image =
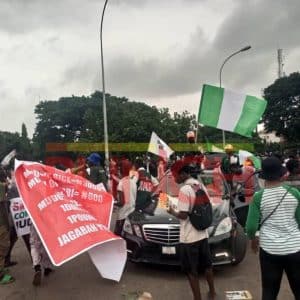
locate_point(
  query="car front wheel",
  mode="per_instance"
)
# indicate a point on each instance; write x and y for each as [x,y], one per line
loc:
[239,245]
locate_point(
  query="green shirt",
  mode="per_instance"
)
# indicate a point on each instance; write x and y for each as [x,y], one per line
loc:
[280,234]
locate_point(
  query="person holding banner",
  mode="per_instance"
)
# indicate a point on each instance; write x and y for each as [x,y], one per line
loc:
[127,190]
[40,258]
[14,203]
[5,278]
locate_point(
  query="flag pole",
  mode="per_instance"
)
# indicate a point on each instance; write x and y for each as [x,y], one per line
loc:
[103,92]
[220,77]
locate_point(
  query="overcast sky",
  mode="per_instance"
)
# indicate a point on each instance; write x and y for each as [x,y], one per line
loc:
[157,51]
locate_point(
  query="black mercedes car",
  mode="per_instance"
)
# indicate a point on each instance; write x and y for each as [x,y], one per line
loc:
[152,234]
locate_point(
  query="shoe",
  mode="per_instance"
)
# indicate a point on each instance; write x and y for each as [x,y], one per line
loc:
[48,271]
[37,278]
[10,264]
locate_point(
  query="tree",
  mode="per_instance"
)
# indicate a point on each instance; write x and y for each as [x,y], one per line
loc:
[283,110]
[25,149]
[10,141]
[128,121]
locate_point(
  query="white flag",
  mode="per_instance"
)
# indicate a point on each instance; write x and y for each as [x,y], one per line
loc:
[159,147]
[5,161]
[216,149]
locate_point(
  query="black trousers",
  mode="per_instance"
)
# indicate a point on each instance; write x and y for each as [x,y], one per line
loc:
[272,267]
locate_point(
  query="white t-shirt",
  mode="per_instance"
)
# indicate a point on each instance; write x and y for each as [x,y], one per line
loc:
[128,186]
[186,199]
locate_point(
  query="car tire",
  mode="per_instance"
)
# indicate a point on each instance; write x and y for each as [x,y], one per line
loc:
[239,245]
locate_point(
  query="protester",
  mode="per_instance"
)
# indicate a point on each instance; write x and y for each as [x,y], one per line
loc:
[40,259]
[275,211]
[194,249]
[244,181]
[114,176]
[13,193]
[293,178]
[96,172]
[127,189]
[161,169]
[229,159]
[145,186]
[5,278]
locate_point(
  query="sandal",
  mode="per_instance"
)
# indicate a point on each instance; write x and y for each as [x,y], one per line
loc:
[6,279]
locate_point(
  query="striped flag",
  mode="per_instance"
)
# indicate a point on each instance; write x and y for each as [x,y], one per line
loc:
[231,111]
[159,147]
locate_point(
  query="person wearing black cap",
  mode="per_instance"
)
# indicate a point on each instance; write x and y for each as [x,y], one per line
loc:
[195,254]
[275,212]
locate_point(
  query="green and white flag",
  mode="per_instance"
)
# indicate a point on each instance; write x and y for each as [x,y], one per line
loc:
[231,111]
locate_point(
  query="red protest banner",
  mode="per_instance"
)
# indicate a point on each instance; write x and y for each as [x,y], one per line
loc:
[71,214]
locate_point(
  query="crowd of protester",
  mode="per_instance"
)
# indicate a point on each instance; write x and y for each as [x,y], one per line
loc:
[274,210]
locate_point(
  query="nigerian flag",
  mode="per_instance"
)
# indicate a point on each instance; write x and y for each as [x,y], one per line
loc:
[231,111]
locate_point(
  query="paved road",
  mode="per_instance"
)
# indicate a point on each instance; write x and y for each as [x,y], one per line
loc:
[79,279]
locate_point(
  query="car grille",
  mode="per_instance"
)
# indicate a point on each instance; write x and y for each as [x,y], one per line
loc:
[166,234]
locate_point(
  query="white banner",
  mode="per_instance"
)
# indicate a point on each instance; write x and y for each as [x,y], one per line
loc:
[20,216]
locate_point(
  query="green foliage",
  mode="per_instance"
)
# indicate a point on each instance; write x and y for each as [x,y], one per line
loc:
[283,110]
[10,141]
[128,121]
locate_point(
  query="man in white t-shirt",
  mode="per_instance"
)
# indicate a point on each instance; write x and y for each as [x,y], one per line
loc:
[127,189]
[194,249]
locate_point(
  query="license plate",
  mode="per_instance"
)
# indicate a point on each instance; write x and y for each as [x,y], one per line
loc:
[169,250]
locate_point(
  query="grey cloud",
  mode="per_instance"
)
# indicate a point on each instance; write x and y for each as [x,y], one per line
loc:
[266,25]
[23,16]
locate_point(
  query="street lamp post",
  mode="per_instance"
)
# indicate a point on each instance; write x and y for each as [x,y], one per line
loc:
[103,91]
[220,76]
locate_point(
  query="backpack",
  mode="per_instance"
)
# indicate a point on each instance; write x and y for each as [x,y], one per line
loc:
[201,215]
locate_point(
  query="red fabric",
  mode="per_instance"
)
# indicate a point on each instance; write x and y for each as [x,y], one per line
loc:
[70,214]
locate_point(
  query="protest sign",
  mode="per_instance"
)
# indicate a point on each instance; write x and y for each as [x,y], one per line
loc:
[20,216]
[71,216]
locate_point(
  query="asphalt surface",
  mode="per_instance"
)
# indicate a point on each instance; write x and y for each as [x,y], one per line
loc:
[79,279]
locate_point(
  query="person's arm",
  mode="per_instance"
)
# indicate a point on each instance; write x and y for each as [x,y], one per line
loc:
[77,169]
[179,215]
[120,198]
[253,217]
[252,223]
[295,192]
[298,213]
[184,200]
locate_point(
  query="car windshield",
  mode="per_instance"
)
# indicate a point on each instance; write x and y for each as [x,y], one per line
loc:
[216,188]
[214,182]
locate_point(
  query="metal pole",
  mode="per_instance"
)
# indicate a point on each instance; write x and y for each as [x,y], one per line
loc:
[103,91]
[220,77]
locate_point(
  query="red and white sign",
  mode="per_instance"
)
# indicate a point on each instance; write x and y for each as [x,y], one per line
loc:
[71,215]
[20,216]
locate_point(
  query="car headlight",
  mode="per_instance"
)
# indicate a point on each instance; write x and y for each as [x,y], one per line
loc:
[127,227]
[137,230]
[224,226]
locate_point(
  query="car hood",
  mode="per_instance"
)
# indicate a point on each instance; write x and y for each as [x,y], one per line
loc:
[159,216]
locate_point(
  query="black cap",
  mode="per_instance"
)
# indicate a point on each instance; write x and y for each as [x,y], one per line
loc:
[272,169]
